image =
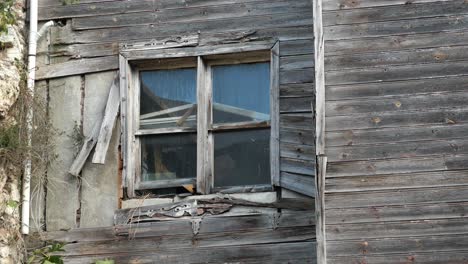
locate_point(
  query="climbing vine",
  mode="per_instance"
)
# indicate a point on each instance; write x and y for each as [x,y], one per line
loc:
[7,16]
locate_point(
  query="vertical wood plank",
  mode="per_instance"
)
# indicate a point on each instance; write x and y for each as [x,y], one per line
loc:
[110,115]
[202,127]
[274,115]
[319,51]
[126,120]
[319,78]
[320,209]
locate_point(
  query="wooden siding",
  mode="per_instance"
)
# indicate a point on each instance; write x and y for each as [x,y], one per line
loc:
[250,237]
[83,53]
[396,91]
[89,43]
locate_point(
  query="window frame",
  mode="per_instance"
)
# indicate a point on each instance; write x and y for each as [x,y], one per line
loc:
[133,60]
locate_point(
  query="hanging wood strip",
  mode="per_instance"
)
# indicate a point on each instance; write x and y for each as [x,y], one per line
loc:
[110,116]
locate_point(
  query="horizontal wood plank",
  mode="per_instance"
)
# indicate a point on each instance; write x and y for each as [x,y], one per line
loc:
[397,197]
[380,214]
[189,15]
[397,229]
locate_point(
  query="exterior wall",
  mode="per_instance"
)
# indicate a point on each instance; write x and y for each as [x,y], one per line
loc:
[77,64]
[88,44]
[396,121]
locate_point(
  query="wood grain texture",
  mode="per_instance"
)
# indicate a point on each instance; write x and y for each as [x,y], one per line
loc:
[108,121]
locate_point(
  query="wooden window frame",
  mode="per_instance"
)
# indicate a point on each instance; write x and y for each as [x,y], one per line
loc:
[133,60]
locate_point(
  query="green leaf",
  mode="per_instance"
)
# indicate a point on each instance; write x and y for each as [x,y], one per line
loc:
[12,204]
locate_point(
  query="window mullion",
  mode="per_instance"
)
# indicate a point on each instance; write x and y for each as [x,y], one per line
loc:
[204,138]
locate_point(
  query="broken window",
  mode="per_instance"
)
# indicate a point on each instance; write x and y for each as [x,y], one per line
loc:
[202,122]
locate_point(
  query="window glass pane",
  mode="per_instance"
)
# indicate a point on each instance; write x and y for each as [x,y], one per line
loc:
[166,157]
[241,92]
[168,98]
[242,157]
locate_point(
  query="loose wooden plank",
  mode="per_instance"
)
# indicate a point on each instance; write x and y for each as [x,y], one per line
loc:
[432,244]
[299,183]
[189,15]
[397,229]
[397,197]
[110,116]
[397,134]
[88,145]
[297,166]
[269,253]
[407,212]
[394,12]
[76,67]
[399,27]
[398,150]
[397,88]
[389,119]
[397,181]
[320,207]
[397,104]
[402,165]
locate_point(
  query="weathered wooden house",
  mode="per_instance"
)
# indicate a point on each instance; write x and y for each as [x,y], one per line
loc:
[256,131]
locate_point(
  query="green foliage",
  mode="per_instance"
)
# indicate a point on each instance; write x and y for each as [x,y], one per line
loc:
[12,204]
[46,255]
[7,16]
[106,261]
[9,137]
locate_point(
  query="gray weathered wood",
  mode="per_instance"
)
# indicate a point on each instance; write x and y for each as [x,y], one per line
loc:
[391,12]
[397,197]
[293,252]
[398,181]
[303,184]
[188,15]
[108,121]
[401,165]
[320,207]
[204,112]
[66,35]
[405,212]
[397,134]
[88,145]
[398,150]
[343,4]
[76,67]
[397,229]
[399,245]
[274,115]
[390,119]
